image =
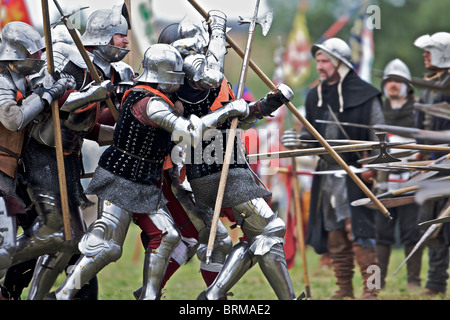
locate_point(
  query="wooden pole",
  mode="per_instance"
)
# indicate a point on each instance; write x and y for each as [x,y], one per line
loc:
[304,122]
[301,237]
[57,127]
[230,140]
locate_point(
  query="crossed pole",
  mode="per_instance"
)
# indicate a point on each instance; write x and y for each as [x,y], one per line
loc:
[304,122]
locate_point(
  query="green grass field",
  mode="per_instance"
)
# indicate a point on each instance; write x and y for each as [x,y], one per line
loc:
[118,280]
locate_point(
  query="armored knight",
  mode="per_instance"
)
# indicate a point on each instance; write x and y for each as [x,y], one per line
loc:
[19,105]
[82,116]
[128,178]
[85,116]
[204,92]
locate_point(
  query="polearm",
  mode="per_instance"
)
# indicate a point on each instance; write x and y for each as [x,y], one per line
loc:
[396,145]
[87,60]
[230,138]
[420,176]
[301,236]
[311,151]
[425,236]
[302,119]
[435,136]
[57,127]
[393,193]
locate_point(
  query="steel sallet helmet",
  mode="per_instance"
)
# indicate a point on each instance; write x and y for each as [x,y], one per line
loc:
[20,39]
[163,65]
[397,70]
[438,45]
[337,48]
[101,26]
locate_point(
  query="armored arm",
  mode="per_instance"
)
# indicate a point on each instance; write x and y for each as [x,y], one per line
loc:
[164,116]
[160,113]
[264,107]
[206,70]
[90,94]
[16,116]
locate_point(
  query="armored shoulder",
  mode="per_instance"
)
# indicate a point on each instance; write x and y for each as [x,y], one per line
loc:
[124,70]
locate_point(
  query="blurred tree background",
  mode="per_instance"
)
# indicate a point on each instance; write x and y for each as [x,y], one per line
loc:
[402,21]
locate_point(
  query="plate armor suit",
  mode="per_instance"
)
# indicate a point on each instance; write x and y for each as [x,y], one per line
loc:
[20,103]
[83,116]
[204,92]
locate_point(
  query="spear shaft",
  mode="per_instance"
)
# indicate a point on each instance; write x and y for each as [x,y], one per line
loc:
[57,126]
[425,236]
[230,138]
[303,120]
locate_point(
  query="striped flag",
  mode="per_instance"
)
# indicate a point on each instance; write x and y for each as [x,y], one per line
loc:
[296,62]
[362,45]
[13,10]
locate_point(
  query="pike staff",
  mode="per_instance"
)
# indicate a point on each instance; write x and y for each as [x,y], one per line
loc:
[303,120]
[430,231]
[85,56]
[57,126]
[301,236]
[231,136]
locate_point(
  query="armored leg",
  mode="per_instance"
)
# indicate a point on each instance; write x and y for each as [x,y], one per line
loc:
[201,217]
[273,265]
[237,264]
[158,253]
[46,235]
[8,230]
[265,231]
[47,269]
[101,245]
[222,245]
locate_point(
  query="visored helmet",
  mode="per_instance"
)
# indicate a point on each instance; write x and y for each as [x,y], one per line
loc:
[101,26]
[438,45]
[163,65]
[337,48]
[18,40]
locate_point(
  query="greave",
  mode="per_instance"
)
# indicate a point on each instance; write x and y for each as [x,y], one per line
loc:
[48,267]
[8,230]
[46,233]
[237,264]
[81,273]
[273,265]
[157,260]
[100,246]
